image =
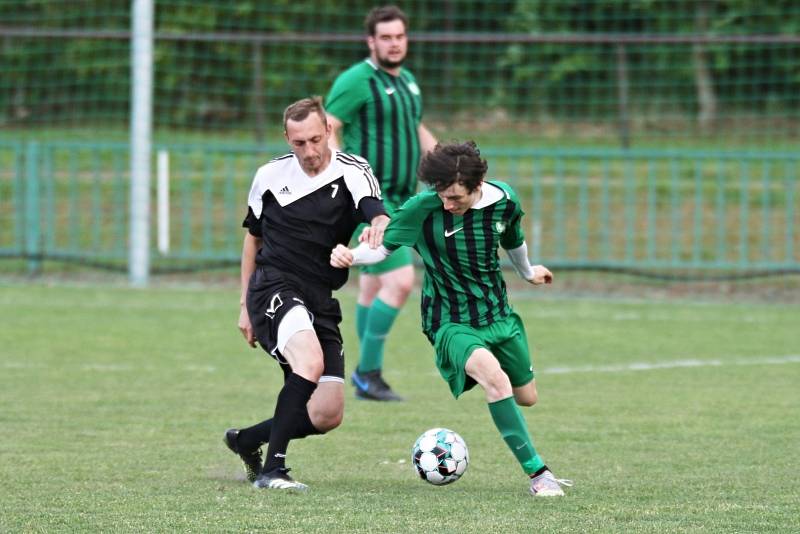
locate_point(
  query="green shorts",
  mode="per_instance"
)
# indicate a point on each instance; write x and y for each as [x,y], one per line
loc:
[506,339]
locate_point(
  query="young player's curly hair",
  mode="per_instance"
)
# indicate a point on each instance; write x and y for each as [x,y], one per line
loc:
[453,163]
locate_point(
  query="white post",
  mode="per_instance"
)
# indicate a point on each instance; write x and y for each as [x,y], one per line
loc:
[162,178]
[141,139]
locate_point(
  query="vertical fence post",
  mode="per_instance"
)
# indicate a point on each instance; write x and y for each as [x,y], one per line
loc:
[33,230]
[141,139]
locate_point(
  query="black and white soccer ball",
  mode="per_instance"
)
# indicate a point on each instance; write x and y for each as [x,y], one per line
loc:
[440,456]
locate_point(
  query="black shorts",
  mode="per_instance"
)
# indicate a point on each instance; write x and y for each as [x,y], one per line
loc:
[270,296]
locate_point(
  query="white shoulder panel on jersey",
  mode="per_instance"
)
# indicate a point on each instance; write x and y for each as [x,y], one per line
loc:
[288,182]
[491,194]
[262,181]
[358,177]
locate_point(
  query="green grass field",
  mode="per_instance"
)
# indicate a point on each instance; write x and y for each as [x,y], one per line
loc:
[669,417]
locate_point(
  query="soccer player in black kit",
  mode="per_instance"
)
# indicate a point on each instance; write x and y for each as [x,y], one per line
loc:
[299,207]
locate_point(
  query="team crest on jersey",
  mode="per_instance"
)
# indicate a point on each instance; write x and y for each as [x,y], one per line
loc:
[414,88]
[500,226]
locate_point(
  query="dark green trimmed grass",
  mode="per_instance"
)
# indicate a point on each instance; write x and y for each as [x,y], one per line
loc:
[113,403]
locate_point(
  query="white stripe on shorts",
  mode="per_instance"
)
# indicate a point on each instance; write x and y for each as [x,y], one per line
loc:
[294,321]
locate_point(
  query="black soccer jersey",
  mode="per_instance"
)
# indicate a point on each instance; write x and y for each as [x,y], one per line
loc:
[301,218]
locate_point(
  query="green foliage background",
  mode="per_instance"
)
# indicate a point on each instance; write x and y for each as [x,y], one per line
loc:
[211,74]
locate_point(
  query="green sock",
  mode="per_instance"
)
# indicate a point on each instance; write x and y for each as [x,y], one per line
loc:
[362,312]
[509,421]
[379,321]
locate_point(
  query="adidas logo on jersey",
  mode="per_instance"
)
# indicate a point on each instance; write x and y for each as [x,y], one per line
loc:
[285,191]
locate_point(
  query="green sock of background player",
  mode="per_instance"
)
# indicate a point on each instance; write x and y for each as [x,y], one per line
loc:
[512,426]
[362,312]
[378,322]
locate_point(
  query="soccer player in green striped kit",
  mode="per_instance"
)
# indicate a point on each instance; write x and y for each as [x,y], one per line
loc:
[376,105]
[457,227]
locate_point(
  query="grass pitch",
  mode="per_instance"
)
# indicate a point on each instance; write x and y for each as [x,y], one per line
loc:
[669,417]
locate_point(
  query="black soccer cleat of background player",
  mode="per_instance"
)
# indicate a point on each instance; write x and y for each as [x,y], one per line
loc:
[371,386]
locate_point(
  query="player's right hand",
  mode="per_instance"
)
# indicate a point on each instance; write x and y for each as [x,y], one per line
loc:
[246,328]
[541,275]
[341,257]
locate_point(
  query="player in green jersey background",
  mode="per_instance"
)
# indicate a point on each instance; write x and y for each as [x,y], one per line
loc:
[457,227]
[376,107]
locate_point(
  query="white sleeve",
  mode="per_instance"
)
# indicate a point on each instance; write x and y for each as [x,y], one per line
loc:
[359,178]
[257,190]
[519,258]
[364,255]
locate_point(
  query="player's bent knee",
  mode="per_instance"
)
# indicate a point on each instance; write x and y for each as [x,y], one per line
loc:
[327,418]
[326,407]
[310,369]
[498,386]
[526,396]
[328,422]
[526,400]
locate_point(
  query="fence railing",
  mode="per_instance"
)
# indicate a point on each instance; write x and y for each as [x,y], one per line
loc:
[650,211]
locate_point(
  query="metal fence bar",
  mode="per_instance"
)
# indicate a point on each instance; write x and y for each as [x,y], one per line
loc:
[766,248]
[697,230]
[652,214]
[744,208]
[644,212]
[791,184]
[33,234]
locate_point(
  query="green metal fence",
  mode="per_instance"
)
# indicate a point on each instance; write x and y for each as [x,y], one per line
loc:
[654,211]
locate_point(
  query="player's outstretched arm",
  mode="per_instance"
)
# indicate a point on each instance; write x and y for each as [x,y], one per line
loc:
[534,274]
[427,141]
[343,257]
[248,265]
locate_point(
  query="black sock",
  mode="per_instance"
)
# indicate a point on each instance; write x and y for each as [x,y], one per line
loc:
[289,410]
[253,437]
[305,427]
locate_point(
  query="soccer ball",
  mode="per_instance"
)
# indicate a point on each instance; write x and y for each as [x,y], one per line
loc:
[440,456]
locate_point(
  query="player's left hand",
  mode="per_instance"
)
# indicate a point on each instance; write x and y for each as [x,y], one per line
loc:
[341,257]
[373,234]
[541,275]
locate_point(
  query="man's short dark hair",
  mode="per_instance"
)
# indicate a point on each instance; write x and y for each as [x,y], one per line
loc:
[383,14]
[453,163]
[301,109]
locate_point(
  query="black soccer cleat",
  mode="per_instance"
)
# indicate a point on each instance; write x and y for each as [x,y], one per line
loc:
[279,478]
[252,460]
[371,386]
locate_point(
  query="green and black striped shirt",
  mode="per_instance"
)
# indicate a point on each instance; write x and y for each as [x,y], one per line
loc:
[463,282]
[381,114]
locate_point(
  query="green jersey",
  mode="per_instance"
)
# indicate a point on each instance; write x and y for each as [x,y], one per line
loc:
[463,282]
[381,114]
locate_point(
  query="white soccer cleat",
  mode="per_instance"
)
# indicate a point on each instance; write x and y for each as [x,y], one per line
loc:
[279,479]
[547,485]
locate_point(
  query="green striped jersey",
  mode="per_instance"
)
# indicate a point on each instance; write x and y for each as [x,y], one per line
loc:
[463,282]
[381,114]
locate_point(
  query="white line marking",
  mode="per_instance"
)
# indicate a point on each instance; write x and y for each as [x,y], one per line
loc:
[674,364]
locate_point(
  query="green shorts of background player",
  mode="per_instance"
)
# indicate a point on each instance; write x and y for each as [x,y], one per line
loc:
[457,227]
